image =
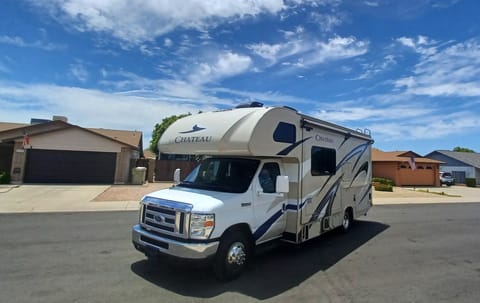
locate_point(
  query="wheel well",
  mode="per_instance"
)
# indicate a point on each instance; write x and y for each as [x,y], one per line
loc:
[244,229]
[350,212]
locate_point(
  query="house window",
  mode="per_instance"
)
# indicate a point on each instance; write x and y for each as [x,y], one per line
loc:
[420,167]
[429,167]
[323,161]
[403,166]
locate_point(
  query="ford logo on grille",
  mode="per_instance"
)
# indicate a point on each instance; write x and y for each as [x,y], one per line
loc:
[159,219]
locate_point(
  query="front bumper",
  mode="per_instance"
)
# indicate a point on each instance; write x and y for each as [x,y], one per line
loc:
[151,244]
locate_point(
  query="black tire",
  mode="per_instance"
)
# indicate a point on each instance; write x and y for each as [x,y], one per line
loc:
[347,220]
[232,256]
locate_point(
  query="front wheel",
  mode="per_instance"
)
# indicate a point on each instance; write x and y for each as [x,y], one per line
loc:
[232,256]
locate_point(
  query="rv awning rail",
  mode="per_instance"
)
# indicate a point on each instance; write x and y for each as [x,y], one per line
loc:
[308,122]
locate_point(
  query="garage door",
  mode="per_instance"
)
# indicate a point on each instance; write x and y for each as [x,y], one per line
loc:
[54,166]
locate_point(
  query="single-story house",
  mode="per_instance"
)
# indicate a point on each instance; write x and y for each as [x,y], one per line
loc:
[405,168]
[55,151]
[460,164]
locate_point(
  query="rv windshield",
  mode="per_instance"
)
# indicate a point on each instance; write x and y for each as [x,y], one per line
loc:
[231,175]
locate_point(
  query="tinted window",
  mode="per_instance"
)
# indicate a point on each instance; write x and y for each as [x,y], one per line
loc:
[285,132]
[268,177]
[323,161]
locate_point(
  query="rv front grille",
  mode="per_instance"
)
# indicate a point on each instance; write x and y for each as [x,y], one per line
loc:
[164,219]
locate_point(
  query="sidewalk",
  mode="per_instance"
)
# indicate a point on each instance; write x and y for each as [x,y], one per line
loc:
[79,198]
[73,198]
[427,195]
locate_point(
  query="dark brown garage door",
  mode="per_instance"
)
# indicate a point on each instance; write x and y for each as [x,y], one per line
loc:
[54,166]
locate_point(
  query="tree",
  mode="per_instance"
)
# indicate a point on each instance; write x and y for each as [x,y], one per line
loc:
[463,149]
[159,129]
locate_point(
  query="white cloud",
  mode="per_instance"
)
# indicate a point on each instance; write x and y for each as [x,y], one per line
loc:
[89,108]
[226,65]
[349,112]
[421,45]
[79,72]
[372,69]
[20,42]
[303,52]
[453,71]
[371,3]
[167,42]
[336,49]
[326,22]
[426,128]
[137,21]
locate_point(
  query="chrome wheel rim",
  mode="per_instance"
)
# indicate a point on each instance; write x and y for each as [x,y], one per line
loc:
[236,254]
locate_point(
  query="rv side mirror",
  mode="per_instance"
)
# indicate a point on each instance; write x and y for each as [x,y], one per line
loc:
[176,176]
[282,184]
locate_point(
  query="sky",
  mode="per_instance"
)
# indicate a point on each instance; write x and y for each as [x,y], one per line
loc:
[408,71]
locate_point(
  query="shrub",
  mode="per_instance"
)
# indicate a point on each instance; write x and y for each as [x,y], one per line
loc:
[383,187]
[471,182]
[4,177]
[383,181]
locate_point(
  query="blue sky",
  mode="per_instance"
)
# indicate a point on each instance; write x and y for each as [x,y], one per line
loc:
[407,70]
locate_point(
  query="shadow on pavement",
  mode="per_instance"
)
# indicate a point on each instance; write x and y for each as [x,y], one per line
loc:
[275,269]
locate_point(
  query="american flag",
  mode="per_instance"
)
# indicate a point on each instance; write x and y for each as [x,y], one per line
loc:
[411,161]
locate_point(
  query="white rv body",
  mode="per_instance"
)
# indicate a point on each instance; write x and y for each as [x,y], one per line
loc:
[328,168]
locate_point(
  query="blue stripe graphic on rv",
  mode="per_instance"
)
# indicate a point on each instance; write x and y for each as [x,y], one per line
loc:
[287,150]
[363,168]
[328,198]
[360,156]
[359,150]
[265,226]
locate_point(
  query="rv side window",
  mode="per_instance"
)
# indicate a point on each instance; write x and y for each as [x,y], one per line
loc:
[323,161]
[285,132]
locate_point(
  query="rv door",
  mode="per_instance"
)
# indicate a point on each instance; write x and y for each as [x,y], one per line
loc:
[269,205]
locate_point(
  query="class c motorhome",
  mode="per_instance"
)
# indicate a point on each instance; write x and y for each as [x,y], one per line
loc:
[266,173]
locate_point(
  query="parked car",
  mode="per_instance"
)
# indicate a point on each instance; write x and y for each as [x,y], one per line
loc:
[446,178]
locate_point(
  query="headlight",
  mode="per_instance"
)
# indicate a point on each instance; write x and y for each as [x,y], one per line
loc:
[201,225]
[141,213]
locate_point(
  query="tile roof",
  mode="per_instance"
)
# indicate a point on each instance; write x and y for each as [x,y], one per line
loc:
[132,138]
[398,156]
[7,126]
[472,159]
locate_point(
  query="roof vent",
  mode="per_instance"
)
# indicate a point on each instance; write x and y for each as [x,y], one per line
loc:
[34,121]
[60,118]
[251,104]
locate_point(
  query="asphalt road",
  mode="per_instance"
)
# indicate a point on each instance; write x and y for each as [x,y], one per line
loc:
[402,253]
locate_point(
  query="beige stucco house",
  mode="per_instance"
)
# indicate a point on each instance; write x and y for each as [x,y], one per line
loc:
[59,152]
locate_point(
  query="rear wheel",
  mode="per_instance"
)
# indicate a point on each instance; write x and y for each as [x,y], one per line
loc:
[232,256]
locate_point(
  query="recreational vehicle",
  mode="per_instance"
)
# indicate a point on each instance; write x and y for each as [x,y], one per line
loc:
[265,173]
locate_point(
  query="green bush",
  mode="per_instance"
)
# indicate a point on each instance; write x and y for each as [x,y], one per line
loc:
[471,182]
[383,187]
[4,177]
[383,181]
